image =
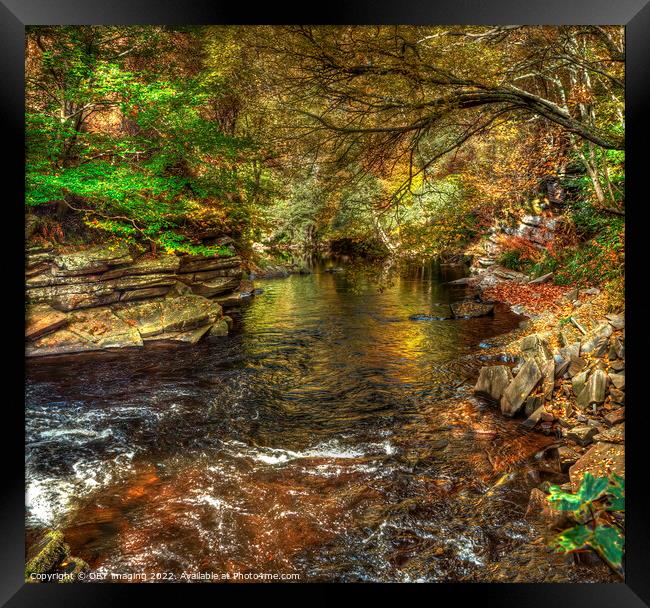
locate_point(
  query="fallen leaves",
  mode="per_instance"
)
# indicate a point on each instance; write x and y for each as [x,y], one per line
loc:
[534,298]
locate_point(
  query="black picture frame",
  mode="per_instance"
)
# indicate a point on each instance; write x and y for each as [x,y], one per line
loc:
[16,14]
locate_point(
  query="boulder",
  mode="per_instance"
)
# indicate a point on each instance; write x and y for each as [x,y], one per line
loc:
[493,380]
[534,418]
[469,308]
[618,380]
[596,342]
[566,457]
[600,460]
[219,328]
[583,434]
[594,389]
[617,321]
[214,286]
[536,348]
[43,319]
[615,434]
[161,264]
[615,417]
[578,382]
[87,330]
[92,260]
[517,391]
[538,506]
[617,395]
[576,365]
[194,263]
[548,382]
[190,336]
[47,554]
[179,314]
[533,403]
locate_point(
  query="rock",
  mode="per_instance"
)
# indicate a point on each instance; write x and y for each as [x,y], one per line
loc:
[561,366]
[93,259]
[616,321]
[215,286]
[615,434]
[194,263]
[49,552]
[533,403]
[596,342]
[229,322]
[87,330]
[168,315]
[590,291]
[538,506]
[600,460]
[619,348]
[578,382]
[143,294]
[43,319]
[566,457]
[542,279]
[493,380]
[617,395]
[534,418]
[570,351]
[594,390]
[517,391]
[219,328]
[548,382]
[461,281]
[536,348]
[618,380]
[582,435]
[159,265]
[618,365]
[190,336]
[576,365]
[468,309]
[615,417]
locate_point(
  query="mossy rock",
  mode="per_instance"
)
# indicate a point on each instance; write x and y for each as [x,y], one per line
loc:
[50,552]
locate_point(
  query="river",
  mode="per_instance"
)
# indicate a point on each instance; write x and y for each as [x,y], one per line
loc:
[329,436]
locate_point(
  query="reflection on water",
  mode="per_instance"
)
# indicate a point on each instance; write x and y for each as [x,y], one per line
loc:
[329,435]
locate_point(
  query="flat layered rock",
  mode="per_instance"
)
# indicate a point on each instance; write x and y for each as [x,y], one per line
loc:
[181,313]
[191,336]
[92,260]
[493,380]
[43,319]
[519,389]
[215,286]
[162,264]
[600,460]
[97,329]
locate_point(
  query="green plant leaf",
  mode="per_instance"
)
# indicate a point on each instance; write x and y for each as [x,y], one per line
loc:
[573,538]
[563,501]
[608,542]
[592,487]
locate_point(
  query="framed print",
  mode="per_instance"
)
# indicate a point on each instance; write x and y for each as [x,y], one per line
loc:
[335,297]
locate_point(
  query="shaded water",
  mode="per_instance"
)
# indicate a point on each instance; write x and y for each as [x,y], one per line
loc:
[328,436]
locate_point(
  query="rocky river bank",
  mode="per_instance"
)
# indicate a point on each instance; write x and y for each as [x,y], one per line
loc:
[105,297]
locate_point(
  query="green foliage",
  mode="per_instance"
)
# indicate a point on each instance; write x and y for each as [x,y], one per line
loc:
[513,259]
[154,179]
[596,261]
[595,510]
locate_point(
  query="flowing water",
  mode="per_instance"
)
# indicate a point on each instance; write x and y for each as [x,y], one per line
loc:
[328,436]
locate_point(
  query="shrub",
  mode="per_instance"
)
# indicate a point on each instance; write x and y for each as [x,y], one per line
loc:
[597,510]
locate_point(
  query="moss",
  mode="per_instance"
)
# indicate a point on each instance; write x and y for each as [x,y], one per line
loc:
[51,552]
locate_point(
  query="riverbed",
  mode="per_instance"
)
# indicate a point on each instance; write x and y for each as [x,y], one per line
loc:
[329,436]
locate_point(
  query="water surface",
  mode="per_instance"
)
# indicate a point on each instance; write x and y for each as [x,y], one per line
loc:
[329,435]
